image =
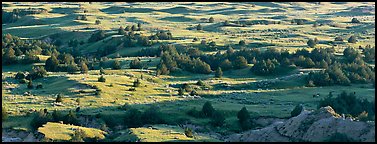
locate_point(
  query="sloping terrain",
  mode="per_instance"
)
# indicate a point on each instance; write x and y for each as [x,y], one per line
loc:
[311,126]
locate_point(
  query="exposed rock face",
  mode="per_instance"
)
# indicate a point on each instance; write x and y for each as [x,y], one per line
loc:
[310,126]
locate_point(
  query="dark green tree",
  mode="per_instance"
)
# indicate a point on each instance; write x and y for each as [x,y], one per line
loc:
[352,39]
[218,72]
[240,62]
[242,43]
[180,91]
[101,79]
[297,110]
[116,65]
[199,27]
[59,98]
[207,109]
[211,20]
[137,83]
[311,43]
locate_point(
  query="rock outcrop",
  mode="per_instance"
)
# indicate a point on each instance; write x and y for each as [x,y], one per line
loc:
[312,126]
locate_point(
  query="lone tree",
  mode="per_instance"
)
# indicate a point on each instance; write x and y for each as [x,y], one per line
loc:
[352,39]
[211,20]
[102,71]
[137,83]
[78,101]
[121,30]
[207,109]
[59,98]
[311,43]
[30,84]
[199,27]
[244,118]
[242,43]
[101,79]
[218,72]
[297,110]
[355,20]
[180,91]
[83,68]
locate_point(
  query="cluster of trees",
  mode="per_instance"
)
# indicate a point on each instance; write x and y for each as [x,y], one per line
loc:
[352,70]
[43,116]
[35,73]
[347,103]
[161,35]
[97,36]
[67,63]
[16,50]
[265,67]
[171,60]
[217,117]
[16,14]
[130,28]
[136,64]
[136,118]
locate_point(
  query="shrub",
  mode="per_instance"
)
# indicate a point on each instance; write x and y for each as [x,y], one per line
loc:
[101,79]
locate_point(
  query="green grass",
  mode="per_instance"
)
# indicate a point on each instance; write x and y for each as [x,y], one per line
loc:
[63,132]
[161,133]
